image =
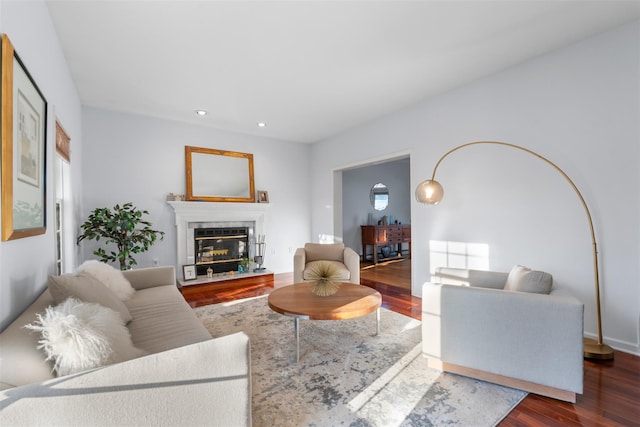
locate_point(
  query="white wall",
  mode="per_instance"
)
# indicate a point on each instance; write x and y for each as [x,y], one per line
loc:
[141,159]
[26,263]
[579,107]
[356,205]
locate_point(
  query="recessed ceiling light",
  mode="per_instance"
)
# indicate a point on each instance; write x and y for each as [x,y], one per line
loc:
[262,124]
[201,112]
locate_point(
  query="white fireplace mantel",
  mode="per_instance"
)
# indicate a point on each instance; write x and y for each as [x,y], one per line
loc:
[188,213]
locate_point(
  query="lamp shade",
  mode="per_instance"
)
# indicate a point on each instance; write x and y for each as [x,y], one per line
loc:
[430,192]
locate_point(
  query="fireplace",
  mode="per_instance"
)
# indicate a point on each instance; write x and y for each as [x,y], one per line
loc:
[220,249]
[192,216]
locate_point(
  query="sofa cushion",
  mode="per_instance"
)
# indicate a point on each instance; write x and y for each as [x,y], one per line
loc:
[78,336]
[85,288]
[523,279]
[329,252]
[342,272]
[163,320]
[111,277]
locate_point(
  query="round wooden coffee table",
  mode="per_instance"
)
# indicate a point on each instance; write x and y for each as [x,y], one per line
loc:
[349,302]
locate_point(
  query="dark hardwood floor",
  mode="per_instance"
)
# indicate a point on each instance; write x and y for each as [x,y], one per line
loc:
[611,394]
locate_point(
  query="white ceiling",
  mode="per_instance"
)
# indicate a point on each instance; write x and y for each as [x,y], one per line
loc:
[309,69]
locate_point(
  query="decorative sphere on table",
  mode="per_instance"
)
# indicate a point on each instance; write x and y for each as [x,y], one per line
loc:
[324,276]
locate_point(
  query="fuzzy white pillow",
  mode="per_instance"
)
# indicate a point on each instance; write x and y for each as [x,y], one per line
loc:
[86,288]
[111,277]
[78,336]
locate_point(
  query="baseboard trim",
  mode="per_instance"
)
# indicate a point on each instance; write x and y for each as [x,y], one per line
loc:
[543,390]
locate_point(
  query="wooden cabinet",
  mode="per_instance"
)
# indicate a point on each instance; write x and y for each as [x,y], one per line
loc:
[392,237]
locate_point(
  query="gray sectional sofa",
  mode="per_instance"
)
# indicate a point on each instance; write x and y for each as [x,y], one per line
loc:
[529,338]
[185,378]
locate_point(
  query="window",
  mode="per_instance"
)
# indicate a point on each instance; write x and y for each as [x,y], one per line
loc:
[63,221]
[458,255]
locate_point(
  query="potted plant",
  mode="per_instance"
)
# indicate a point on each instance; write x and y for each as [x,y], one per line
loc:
[123,226]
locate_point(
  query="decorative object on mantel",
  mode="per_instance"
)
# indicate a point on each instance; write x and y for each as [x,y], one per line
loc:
[259,256]
[123,226]
[325,278]
[219,176]
[171,197]
[263,197]
[23,149]
[431,192]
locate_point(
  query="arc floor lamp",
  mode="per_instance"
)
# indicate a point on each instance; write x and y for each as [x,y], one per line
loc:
[431,192]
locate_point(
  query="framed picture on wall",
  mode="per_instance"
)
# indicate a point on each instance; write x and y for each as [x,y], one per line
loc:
[263,197]
[189,272]
[24,137]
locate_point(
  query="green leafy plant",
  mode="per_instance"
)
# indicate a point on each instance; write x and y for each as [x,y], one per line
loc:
[124,227]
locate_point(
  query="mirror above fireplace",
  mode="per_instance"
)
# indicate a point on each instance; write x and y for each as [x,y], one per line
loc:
[219,176]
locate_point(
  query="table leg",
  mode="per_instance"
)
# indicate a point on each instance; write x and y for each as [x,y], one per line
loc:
[377,321]
[296,327]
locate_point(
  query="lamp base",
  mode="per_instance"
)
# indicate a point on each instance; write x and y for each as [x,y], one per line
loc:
[593,350]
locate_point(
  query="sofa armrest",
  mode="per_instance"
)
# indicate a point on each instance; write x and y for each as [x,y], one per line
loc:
[533,337]
[299,261]
[21,361]
[150,277]
[207,383]
[352,262]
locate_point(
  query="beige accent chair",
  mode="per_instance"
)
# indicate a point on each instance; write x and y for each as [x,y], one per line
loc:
[345,259]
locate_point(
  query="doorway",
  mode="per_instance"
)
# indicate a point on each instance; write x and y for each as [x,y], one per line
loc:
[357,196]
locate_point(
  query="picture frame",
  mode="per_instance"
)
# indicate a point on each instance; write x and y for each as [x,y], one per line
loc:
[189,272]
[263,197]
[24,136]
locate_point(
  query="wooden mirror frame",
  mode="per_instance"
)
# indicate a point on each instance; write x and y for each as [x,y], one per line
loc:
[219,159]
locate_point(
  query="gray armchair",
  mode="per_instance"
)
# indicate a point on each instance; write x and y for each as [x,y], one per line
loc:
[474,323]
[345,259]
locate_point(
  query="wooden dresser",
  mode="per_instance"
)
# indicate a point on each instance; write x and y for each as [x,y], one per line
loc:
[393,236]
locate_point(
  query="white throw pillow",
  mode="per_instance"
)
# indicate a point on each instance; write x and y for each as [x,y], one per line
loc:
[78,336]
[523,279]
[111,277]
[86,288]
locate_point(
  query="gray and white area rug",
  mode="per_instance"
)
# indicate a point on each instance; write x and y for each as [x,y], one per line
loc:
[348,376]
